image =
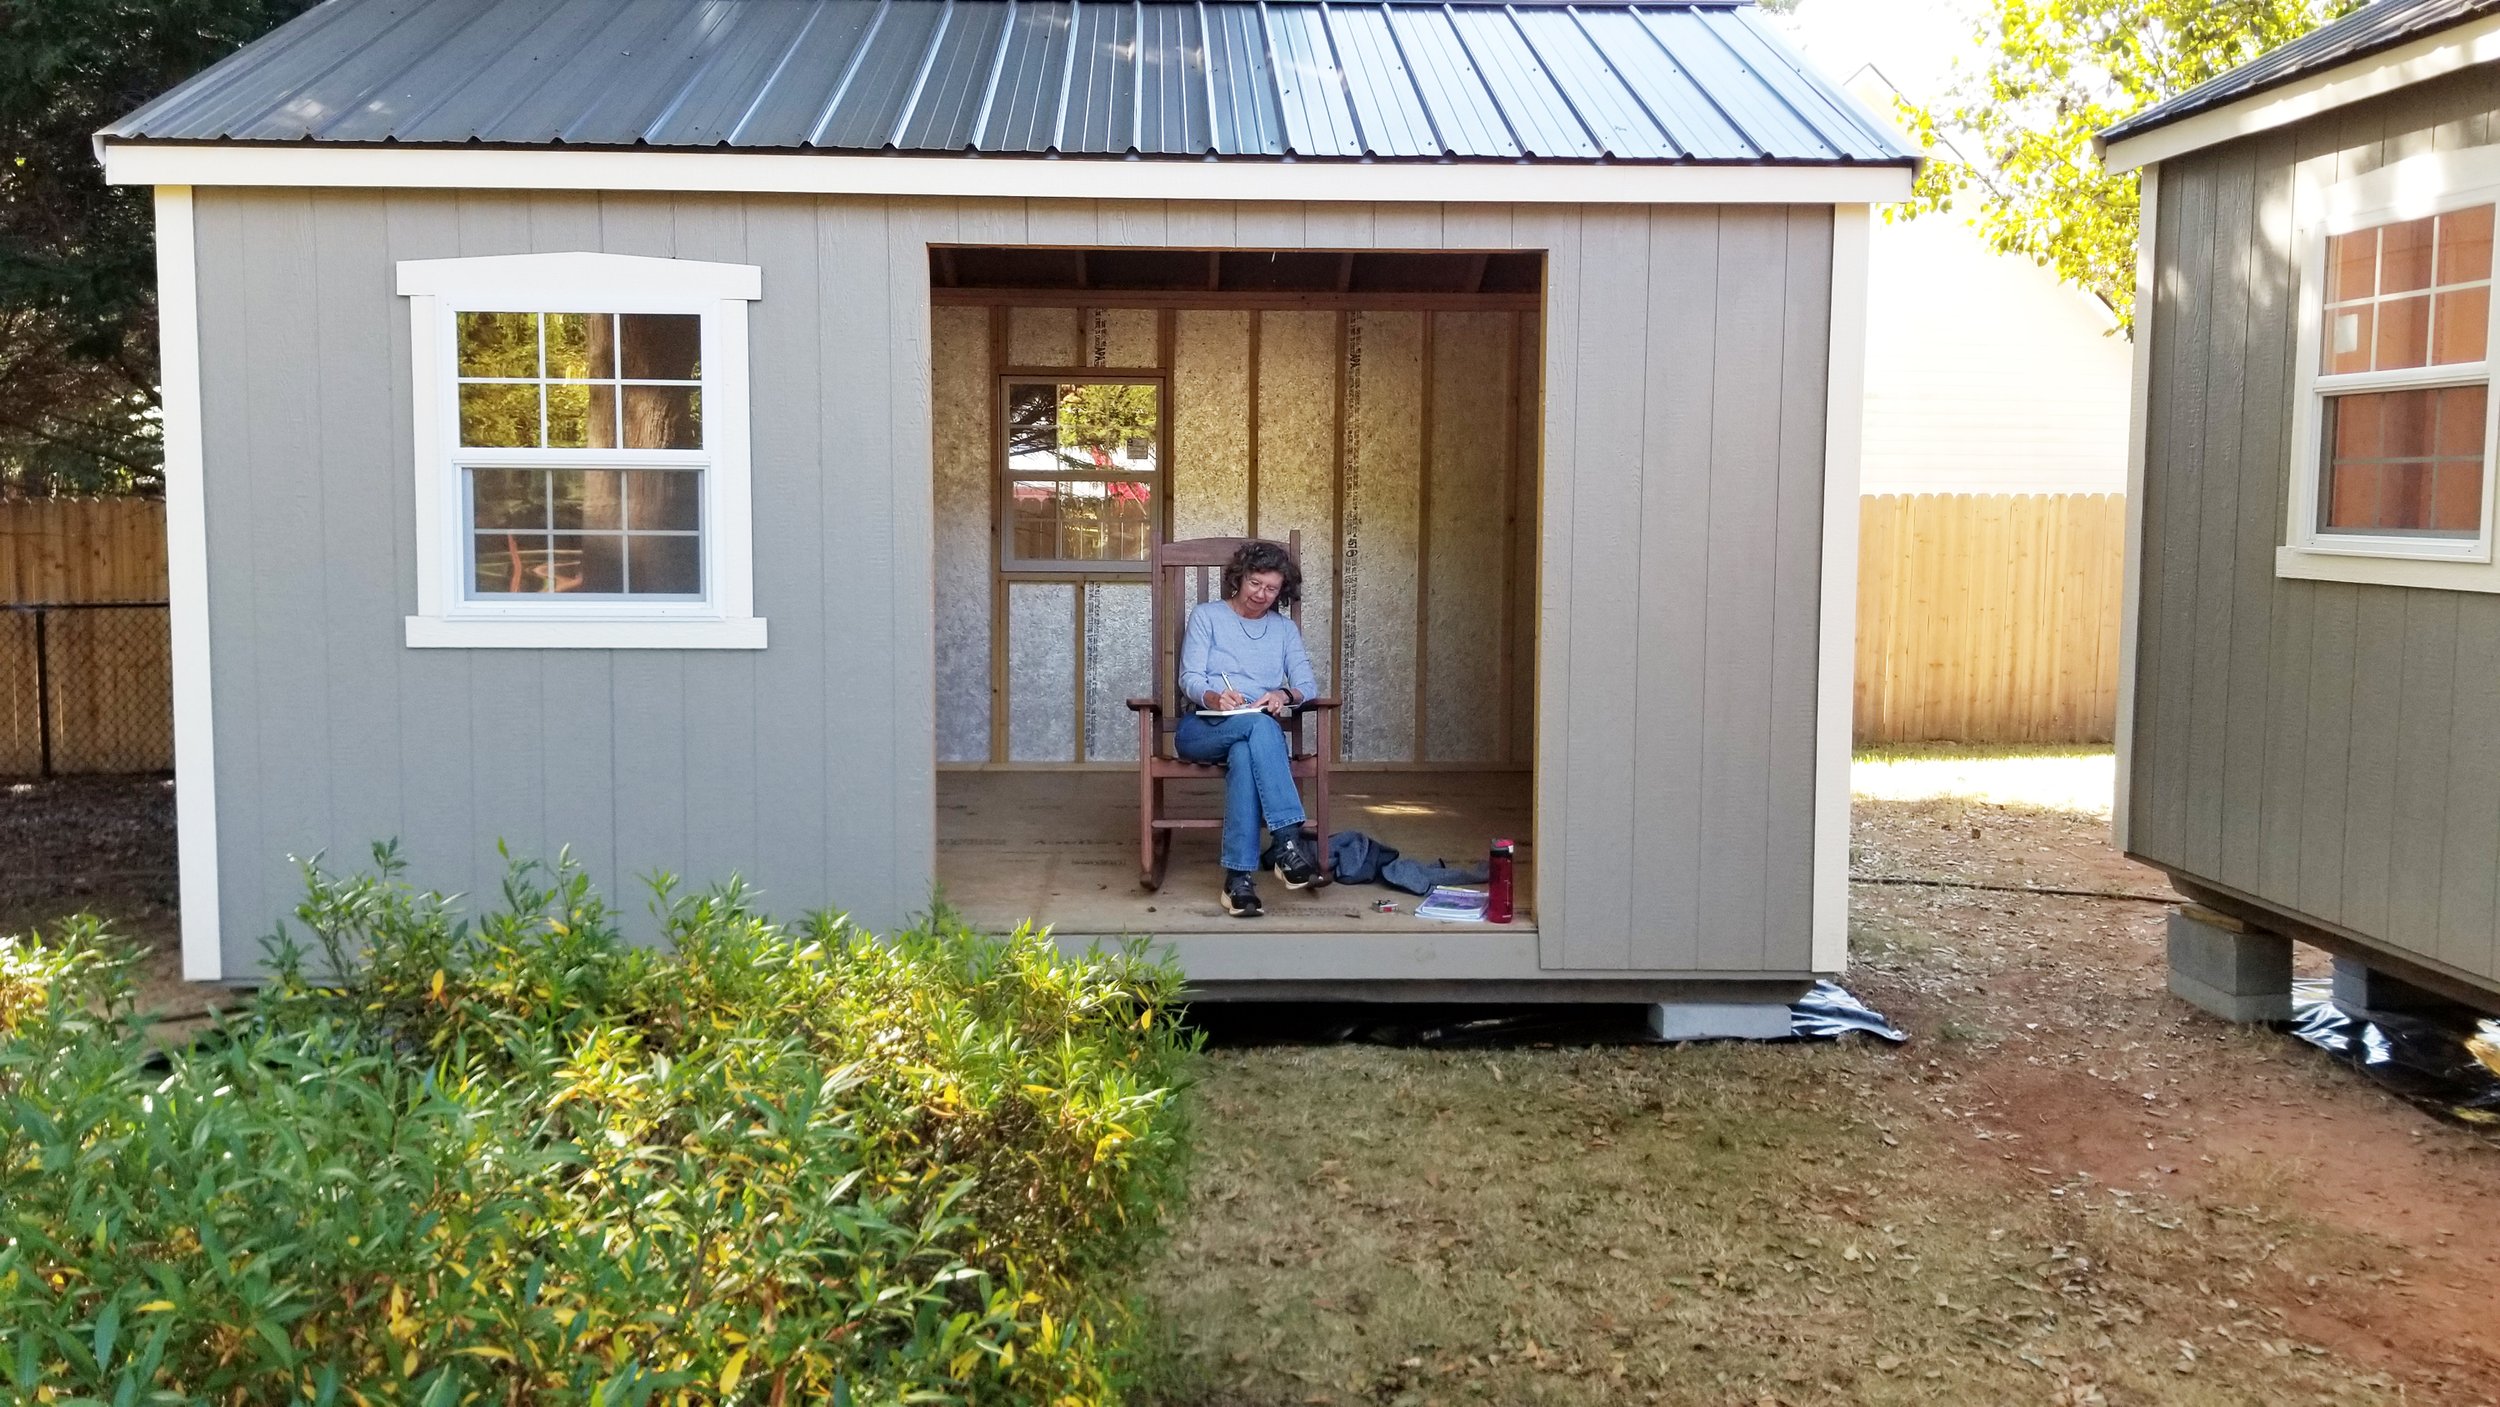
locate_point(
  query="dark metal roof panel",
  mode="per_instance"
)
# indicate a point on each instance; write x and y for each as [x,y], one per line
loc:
[1389,80]
[1540,116]
[1598,98]
[1697,125]
[1387,107]
[2374,28]
[1463,109]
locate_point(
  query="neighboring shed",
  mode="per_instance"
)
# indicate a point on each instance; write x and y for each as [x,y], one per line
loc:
[2310,735]
[596,424]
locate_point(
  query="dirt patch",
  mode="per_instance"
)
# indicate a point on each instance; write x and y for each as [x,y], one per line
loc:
[102,846]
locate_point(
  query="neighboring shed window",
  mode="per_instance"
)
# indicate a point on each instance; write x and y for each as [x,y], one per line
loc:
[582,452]
[1082,472]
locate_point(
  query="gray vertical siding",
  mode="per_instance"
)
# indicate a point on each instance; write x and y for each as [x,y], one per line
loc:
[2329,749]
[1678,558]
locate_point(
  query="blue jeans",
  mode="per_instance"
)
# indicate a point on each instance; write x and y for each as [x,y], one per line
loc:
[1258,777]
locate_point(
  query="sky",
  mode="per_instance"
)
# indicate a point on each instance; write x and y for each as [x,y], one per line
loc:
[1914,42]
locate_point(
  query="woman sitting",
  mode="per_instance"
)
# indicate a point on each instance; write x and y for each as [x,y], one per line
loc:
[1243,657]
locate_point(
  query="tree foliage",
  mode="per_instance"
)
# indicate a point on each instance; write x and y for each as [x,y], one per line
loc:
[2017,132]
[77,261]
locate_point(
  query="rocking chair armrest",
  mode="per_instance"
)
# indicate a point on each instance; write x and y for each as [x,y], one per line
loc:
[1320,703]
[1146,706]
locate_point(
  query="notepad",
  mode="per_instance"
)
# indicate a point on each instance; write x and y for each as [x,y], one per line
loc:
[1453,905]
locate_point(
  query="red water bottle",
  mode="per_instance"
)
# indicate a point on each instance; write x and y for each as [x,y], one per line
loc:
[1497,896]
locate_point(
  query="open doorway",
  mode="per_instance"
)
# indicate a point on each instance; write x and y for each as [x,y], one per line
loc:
[1089,402]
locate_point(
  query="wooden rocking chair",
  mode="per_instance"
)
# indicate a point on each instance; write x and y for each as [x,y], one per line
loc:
[1185,575]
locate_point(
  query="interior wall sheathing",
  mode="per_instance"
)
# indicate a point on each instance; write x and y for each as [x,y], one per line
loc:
[1119,666]
[1527,358]
[1041,672]
[1211,376]
[1044,337]
[1467,568]
[964,402]
[1123,339]
[1377,540]
[1297,462]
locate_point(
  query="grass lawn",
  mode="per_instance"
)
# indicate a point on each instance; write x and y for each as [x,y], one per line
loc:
[2067,1188]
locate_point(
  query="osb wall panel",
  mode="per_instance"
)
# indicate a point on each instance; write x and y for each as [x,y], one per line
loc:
[1468,574]
[1377,547]
[1119,665]
[1297,421]
[1044,337]
[1210,424]
[1529,398]
[964,401]
[1041,672]
[1124,339]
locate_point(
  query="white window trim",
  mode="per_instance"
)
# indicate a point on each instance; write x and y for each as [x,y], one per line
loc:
[438,290]
[2425,185]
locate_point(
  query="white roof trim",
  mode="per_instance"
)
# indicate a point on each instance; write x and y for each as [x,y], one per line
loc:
[2424,59]
[808,173]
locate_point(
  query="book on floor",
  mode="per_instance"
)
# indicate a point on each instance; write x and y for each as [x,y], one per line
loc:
[1455,905]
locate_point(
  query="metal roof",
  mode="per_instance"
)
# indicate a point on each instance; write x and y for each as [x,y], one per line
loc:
[2385,24]
[1685,81]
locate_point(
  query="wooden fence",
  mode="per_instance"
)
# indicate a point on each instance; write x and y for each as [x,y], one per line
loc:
[1989,618]
[88,687]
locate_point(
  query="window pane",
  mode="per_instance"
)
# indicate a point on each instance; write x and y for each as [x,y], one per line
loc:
[665,566]
[2352,266]
[664,498]
[2405,462]
[1077,520]
[2462,327]
[588,564]
[499,417]
[2348,338]
[511,564]
[1032,428]
[1100,422]
[568,415]
[2404,256]
[663,346]
[2404,332]
[498,344]
[600,426]
[2461,415]
[589,498]
[663,417]
[508,498]
[2465,245]
[581,346]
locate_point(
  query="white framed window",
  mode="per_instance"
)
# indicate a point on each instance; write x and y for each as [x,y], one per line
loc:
[2396,426]
[582,473]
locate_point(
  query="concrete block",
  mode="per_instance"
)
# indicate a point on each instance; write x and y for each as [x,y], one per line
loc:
[1718,1021]
[2235,972]
[2361,987]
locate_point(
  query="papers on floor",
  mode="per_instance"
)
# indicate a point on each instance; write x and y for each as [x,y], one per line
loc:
[1455,905]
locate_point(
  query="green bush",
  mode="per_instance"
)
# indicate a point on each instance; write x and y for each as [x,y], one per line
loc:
[518,1160]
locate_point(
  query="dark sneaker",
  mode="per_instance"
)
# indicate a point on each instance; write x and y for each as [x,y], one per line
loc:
[1241,897]
[1296,865]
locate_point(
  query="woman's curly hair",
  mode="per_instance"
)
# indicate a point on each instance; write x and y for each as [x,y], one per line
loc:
[1259,556]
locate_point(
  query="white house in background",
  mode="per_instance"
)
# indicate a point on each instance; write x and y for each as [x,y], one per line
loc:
[1985,373]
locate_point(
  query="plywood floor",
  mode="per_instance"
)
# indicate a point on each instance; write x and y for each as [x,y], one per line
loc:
[1060,848]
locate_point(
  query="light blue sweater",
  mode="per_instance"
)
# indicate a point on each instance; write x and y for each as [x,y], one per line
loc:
[1259,655]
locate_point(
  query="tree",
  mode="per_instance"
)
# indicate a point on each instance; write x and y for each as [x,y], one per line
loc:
[2019,130]
[77,259]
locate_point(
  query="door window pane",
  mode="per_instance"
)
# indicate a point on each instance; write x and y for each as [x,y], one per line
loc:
[1084,465]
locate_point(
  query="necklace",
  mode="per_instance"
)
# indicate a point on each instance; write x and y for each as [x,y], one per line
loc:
[1265,625]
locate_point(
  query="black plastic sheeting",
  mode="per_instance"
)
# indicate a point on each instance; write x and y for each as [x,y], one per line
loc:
[2446,1062]
[1826,1013]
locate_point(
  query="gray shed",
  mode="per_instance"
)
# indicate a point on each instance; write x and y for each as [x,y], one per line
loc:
[601,424]
[2309,727]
